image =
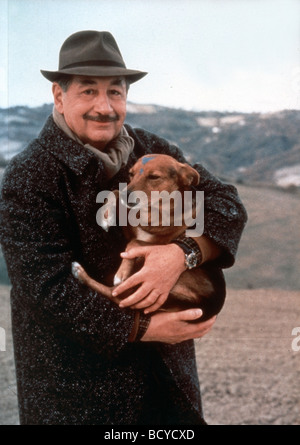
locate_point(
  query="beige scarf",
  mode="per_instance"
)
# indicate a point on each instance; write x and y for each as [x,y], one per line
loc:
[116,153]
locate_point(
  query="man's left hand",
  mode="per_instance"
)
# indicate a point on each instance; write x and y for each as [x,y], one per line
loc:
[162,267]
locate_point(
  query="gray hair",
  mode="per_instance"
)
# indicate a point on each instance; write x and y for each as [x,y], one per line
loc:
[64,81]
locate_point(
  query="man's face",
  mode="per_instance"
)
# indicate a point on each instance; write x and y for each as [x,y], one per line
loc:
[94,108]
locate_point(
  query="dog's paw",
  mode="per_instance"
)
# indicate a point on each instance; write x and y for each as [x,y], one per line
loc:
[105,225]
[117,280]
[77,271]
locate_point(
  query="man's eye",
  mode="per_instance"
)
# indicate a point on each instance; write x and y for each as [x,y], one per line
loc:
[115,93]
[89,92]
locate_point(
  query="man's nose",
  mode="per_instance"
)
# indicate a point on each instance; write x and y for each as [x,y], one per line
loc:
[102,104]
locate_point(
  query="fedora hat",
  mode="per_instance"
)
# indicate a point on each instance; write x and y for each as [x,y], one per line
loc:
[92,53]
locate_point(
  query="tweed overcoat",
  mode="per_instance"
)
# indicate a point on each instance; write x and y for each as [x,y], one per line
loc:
[74,363]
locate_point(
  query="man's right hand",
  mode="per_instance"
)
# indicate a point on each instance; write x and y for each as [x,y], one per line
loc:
[173,327]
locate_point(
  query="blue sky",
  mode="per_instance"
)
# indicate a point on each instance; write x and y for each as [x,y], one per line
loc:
[226,55]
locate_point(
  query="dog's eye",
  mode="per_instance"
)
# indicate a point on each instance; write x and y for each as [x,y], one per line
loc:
[153,177]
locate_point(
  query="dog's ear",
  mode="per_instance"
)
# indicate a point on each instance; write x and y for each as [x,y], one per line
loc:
[188,175]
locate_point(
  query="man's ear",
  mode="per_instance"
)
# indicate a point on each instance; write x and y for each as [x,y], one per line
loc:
[58,97]
[188,175]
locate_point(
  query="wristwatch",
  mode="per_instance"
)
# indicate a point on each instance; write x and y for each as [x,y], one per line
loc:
[192,253]
[191,260]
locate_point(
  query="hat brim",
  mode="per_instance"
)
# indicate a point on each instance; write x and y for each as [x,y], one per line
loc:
[96,71]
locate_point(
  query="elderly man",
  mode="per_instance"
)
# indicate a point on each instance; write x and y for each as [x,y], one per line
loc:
[74,361]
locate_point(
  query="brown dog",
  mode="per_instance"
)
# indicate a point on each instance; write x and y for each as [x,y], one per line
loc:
[203,286]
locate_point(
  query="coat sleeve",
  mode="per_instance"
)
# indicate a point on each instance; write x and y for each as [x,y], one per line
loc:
[224,214]
[36,241]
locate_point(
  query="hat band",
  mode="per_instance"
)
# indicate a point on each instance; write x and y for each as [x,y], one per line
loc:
[94,63]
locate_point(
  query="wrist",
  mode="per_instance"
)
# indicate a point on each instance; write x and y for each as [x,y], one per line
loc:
[156,328]
[140,326]
[179,255]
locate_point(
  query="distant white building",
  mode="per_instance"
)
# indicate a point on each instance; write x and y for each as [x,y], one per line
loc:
[288,176]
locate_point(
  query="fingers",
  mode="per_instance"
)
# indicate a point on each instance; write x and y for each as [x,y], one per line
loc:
[189,314]
[195,330]
[131,282]
[154,307]
[135,297]
[194,314]
[135,252]
[141,299]
[135,279]
[175,327]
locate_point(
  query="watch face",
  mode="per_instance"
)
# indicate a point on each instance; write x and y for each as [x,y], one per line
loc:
[191,260]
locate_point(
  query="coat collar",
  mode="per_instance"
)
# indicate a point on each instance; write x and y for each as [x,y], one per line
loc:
[72,154]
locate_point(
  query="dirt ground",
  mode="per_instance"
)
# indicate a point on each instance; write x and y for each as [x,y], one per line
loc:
[248,370]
